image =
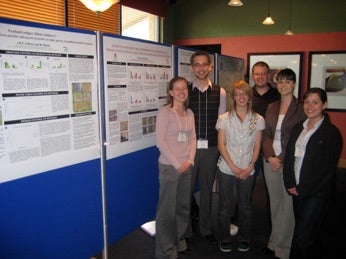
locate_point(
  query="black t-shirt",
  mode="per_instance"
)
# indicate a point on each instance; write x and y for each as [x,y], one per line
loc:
[261,102]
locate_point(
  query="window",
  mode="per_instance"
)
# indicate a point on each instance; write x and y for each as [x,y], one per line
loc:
[42,11]
[138,24]
[134,23]
[81,17]
[53,12]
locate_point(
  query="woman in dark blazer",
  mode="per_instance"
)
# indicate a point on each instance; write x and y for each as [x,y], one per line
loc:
[310,165]
[280,118]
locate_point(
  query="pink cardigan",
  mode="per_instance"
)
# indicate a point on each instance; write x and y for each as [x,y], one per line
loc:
[168,126]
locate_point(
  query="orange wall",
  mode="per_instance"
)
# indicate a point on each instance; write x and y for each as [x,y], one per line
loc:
[241,46]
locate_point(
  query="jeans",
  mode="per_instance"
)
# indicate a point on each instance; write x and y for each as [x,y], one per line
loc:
[226,199]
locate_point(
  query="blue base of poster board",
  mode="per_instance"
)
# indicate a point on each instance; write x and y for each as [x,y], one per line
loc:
[132,191]
[55,214]
[58,214]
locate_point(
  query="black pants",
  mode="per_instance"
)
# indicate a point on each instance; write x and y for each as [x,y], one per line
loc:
[309,214]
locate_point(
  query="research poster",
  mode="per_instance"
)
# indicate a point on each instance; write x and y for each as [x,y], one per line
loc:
[136,75]
[49,105]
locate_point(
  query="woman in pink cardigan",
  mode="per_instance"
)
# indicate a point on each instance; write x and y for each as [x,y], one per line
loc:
[176,140]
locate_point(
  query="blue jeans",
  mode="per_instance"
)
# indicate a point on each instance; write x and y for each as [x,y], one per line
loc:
[243,189]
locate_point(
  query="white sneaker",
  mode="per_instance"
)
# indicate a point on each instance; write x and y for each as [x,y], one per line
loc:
[233,229]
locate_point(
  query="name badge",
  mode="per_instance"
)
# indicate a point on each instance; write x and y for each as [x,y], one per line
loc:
[202,144]
[300,151]
[182,137]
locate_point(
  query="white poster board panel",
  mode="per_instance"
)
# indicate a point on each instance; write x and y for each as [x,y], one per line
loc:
[48,105]
[183,63]
[136,75]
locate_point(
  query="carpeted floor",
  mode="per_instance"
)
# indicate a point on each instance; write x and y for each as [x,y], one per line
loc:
[140,245]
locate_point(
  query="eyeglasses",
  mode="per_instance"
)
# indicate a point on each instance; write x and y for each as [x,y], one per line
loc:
[196,65]
[240,94]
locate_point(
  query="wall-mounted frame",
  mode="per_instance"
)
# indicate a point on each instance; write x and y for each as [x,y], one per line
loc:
[276,62]
[328,71]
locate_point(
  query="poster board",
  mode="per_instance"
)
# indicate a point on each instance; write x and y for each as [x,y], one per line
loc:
[136,75]
[48,106]
[229,70]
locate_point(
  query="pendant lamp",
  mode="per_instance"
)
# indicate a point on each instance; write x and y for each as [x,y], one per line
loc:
[235,3]
[98,6]
[289,31]
[268,20]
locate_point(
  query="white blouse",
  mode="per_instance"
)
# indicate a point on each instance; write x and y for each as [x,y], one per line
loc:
[240,138]
[300,146]
[277,136]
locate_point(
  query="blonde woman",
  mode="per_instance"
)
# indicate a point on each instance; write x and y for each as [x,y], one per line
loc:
[239,142]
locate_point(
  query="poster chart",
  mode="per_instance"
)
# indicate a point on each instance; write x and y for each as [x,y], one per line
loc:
[48,106]
[136,75]
[183,67]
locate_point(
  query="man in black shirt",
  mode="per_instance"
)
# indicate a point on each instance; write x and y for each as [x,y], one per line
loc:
[264,94]
[207,101]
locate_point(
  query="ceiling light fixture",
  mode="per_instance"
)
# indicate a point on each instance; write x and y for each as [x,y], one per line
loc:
[289,31]
[268,20]
[98,6]
[235,3]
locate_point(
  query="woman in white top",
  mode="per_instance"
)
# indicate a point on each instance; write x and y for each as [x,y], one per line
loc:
[311,160]
[239,141]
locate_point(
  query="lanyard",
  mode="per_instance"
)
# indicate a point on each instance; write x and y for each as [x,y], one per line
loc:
[185,117]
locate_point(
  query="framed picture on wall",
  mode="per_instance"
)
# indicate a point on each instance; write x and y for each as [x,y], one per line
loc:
[276,62]
[328,71]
